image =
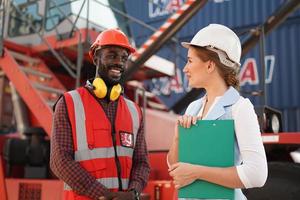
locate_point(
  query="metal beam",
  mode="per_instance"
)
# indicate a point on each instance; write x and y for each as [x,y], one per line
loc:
[269,25]
[2,20]
[29,94]
[129,17]
[272,22]
[170,30]
[3,194]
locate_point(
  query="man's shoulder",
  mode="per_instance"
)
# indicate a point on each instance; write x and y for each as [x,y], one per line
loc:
[60,102]
[128,100]
[131,103]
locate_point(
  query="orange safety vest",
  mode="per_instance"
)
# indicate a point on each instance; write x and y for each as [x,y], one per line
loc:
[97,147]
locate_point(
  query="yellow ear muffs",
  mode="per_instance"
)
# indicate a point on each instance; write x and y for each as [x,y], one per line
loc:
[115,92]
[100,88]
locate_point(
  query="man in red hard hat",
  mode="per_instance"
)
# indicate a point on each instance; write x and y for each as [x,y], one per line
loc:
[98,146]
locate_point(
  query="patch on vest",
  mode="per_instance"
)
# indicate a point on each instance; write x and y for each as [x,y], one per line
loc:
[126,139]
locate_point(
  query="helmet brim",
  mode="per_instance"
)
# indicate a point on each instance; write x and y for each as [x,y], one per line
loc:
[93,49]
[130,49]
[186,44]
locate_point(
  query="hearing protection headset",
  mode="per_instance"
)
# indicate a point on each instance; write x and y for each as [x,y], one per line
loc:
[101,90]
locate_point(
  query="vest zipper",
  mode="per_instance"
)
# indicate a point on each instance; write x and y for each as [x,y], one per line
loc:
[117,160]
[113,134]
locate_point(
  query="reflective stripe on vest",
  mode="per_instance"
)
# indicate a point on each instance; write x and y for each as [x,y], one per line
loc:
[134,115]
[88,154]
[111,183]
[79,117]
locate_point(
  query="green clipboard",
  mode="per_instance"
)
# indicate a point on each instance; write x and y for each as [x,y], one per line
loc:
[209,143]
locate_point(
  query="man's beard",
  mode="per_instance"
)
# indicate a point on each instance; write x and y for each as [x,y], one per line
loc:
[110,81]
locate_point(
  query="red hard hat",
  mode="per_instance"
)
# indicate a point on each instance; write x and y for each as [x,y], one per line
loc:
[111,37]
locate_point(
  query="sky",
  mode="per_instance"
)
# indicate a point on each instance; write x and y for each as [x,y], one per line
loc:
[98,13]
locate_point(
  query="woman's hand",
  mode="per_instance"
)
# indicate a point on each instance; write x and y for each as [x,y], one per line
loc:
[183,174]
[186,120]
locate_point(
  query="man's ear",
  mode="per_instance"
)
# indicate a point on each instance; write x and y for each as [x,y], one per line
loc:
[96,56]
[95,60]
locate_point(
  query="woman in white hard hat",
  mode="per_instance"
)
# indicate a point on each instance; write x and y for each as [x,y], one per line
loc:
[213,64]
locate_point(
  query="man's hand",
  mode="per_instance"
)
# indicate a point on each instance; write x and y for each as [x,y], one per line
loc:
[108,196]
[183,174]
[119,196]
[124,196]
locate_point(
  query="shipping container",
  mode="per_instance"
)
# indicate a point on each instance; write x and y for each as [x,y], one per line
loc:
[282,47]
[233,13]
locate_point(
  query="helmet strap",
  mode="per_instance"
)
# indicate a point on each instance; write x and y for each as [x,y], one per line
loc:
[97,68]
[223,57]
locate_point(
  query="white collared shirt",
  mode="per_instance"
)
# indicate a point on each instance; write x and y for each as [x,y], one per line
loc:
[253,170]
[211,107]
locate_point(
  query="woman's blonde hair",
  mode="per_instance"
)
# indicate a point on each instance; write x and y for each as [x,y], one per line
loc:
[229,74]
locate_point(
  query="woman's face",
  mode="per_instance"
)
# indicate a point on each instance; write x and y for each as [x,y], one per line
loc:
[196,70]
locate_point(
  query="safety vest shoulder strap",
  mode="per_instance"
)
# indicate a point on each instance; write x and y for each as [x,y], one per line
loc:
[76,113]
[134,109]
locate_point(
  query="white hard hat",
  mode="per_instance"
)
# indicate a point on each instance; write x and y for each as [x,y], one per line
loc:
[216,37]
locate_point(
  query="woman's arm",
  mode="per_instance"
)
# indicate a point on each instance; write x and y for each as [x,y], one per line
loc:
[185,121]
[253,171]
[184,174]
[172,156]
